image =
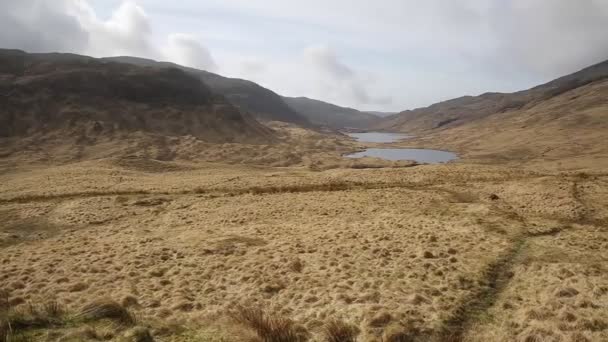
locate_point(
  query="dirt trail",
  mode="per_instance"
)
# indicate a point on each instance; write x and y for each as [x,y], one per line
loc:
[498,274]
[496,278]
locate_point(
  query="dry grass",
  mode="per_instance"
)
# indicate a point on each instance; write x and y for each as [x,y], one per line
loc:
[339,331]
[398,333]
[107,309]
[332,186]
[16,322]
[29,321]
[268,327]
[381,249]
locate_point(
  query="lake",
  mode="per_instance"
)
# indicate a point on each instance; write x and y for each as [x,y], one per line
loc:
[379,137]
[419,155]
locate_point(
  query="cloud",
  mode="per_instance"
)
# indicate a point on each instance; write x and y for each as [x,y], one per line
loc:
[414,52]
[551,38]
[325,60]
[252,66]
[186,50]
[74,26]
[127,32]
[40,26]
[337,78]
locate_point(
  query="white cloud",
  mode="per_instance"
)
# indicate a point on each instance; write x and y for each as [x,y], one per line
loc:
[551,38]
[325,60]
[186,50]
[127,31]
[415,52]
[338,80]
[40,26]
[74,26]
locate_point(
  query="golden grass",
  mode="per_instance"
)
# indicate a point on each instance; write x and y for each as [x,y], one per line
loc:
[339,331]
[29,321]
[399,254]
[15,322]
[268,327]
[106,309]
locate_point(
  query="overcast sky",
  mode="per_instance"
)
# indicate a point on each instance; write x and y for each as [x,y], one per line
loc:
[374,55]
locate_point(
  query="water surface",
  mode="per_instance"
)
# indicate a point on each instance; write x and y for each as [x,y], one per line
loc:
[419,155]
[379,137]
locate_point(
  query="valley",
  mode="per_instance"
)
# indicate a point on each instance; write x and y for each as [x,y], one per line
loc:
[167,211]
[431,252]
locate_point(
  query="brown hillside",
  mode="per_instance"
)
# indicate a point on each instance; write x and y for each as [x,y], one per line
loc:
[466,109]
[569,131]
[563,122]
[262,103]
[329,115]
[81,101]
[90,97]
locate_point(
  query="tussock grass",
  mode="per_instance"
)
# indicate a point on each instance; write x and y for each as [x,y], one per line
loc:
[495,276]
[69,195]
[547,231]
[339,331]
[269,328]
[400,334]
[16,322]
[19,324]
[107,309]
[4,300]
[332,186]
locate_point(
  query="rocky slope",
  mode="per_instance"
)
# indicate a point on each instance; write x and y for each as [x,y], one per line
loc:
[330,115]
[263,103]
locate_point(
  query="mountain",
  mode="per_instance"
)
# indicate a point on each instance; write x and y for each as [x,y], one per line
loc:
[82,100]
[466,109]
[327,114]
[561,121]
[381,114]
[263,103]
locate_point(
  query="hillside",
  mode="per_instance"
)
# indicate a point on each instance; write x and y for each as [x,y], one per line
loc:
[327,114]
[380,114]
[82,101]
[570,129]
[263,103]
[466,109]
[564,122]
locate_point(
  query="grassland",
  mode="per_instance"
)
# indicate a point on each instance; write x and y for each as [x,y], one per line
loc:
[217,252]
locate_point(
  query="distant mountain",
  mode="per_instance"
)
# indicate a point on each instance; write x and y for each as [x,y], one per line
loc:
[381,114]
[466,109]
[80,100]
[263,103]
[562,119]
[327,114]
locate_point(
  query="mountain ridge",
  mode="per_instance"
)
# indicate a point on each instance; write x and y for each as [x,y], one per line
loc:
[559,121]
[330,115]
[462,110]
[263,103]
[84,100]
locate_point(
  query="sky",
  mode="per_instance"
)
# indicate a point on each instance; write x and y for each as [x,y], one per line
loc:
[385,55]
